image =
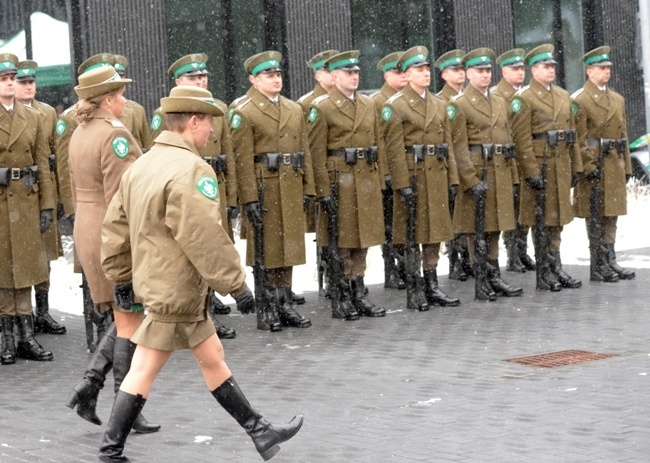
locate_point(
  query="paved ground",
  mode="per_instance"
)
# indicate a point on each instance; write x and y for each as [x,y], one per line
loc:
[412,387]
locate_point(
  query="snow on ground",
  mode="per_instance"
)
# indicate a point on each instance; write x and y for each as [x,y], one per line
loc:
[633,230]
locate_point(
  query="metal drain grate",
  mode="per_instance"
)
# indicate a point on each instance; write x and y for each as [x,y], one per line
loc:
[558,359]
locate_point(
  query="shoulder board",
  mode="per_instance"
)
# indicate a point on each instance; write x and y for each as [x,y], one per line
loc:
[302,98]
[236,101]
[319,99]
[577,92]
[242,103]
[115,123]
[439,94]
[493,89]
[455,97]
[522,90]
[394,97]
[372,95]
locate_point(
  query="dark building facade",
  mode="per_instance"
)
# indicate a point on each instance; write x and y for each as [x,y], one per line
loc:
[154,33]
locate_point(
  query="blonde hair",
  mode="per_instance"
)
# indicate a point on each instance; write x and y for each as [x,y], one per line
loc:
[85,108]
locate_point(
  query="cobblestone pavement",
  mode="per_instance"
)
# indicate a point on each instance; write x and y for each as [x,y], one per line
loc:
[410,387]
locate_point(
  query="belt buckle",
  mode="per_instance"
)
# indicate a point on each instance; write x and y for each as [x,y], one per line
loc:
[430,150]
[498,149]
[612,144]
[286,159]
[15,173]
[560,134]
[360,153]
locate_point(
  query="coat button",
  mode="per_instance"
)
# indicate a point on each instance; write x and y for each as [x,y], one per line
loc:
[11,193]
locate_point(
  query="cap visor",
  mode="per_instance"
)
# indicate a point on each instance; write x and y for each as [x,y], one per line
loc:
[271,69]
[7,71]
[602,63]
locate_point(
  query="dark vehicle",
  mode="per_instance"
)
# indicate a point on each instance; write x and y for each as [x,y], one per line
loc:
[640,158]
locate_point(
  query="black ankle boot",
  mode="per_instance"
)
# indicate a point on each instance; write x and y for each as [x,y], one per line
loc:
[482,288]
[599,269]
[267,317]
[122,355]
[500,287]
[84,395]
[514,263]
[8,355]
[298,300]
[217,307]
[363,305]
[566,280]
[623,273]
[222,331]
[524,258]
[434,294]
[345,309]
[265,436]
[126,409]
[286,312]
[43,321]
[28,347]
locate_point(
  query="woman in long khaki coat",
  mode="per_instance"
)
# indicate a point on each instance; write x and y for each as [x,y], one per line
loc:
[101,149]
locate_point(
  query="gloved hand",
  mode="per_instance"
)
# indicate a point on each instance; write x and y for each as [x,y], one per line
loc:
[306,199]
[575,177]
[388,181]
[47,218]
[453,191]
[60,211]
[593,175]
[328,204]
[408,195]
[254,213]
[245,301]
[123,295]
[536,182]
[232,212]
[479,190]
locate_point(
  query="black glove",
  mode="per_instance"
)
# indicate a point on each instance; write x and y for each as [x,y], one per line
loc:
[536,182]
[71,220]
[453,191]
[306,199]
[123,295]
[245,302]
[232,212]
[575,177]
[254,213]
[408,195]
[388,181]
[479,190]
[47,218]
[593,175]
[60,211]
[328,204]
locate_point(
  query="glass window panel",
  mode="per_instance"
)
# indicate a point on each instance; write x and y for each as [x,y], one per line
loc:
[572,38]
[248,32]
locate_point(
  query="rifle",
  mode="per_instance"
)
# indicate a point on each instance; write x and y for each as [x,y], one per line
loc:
[388,248]
[412,254]
[89,310]
[480,244]
[259,267]
[541,236]
[595,230]
[334,260]
[322,263]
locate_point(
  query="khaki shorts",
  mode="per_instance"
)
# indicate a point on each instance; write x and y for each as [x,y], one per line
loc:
[172,336]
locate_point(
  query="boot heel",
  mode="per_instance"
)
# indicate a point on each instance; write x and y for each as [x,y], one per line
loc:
[72,400]
[270,453]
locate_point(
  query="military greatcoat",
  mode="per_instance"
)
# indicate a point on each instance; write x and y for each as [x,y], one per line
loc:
[135,120]
[537,110]
[335,123]
[475,120]
[259,127]
[447,93]
[100,151]
[65,127]
[411,120]
[23,143]
[601,114]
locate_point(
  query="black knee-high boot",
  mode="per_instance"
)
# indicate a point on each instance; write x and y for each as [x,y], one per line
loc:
[265,436]
[126,409]
[122,356]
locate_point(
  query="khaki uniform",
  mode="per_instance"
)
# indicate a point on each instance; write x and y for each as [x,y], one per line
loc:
[504,90]
[259,127]
[97,161]
[447,93]
[135,120]
[65,127]
[160,198]
[541,110]
[416,121]
[219,142]
[23,143]
[341,123]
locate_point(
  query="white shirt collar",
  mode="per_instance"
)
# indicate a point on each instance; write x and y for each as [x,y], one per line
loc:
[8,108]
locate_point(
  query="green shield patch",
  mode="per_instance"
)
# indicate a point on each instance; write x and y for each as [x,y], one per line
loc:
[156,121]
[451,112]
[60,127]
[208,187]
[235,122]
[515,105]
[386,113]
[574,108]
[313,114]
[120,146]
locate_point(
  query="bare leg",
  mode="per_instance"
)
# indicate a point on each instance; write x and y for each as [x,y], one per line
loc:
[145,366]
[127,322]
[210,357]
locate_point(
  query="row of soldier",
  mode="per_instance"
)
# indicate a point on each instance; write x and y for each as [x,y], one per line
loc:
[404,169]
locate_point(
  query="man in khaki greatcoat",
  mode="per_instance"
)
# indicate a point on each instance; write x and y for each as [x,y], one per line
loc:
[602,131]
[544,129]
[344,135]
[135,117]
[486,166]
[418,144]
[26,212]
[25,93]
[269,137]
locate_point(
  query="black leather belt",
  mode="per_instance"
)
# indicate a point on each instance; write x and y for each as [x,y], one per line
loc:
[30,174]
[553,137]
[218,163]
[274,160]
[52,160]
[608,144]
[490,149]
[441,151]
[370,154]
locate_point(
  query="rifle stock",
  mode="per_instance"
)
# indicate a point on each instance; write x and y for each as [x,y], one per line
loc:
[541,236]
[480,245]
[595,230]
[259,267]
[334,260]
[412,251]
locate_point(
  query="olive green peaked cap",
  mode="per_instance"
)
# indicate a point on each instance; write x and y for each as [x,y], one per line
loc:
[480,58]
[8,63]
[268,61]
[345,61]
[389,62]
[190,65]
[26,70]
[318,60]
[413,57]
[97,61]
[513,58]
[597,57]
[541,54]
[451,59]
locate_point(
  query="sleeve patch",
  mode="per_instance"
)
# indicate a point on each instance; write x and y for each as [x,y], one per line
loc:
[451,112]
[60,127]
[235,122]
[230,111]
[574,108]
[313,114]
[386,113]
[515,105]
[120,146]
[208,187]
[156,121]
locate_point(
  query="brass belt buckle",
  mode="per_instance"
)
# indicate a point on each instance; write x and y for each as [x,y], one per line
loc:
[15,173]
[430,150]
[360,153]
[286,159]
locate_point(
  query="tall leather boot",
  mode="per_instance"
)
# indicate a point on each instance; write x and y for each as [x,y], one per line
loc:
[599,269]
[465,261]
[126,409]
[28,347]
[623,273]
[483,289]
[361,302]
[122,355]
[525,259]
[500,287]
[392,279]
[267,317]
[286,312]
[456,270]
[265,436]
[345,309]
[434,294]
[514,263]
[43,321]
[8,355]
[104,323]
[217,307]
[84,395]
[566,280]
[296,298]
